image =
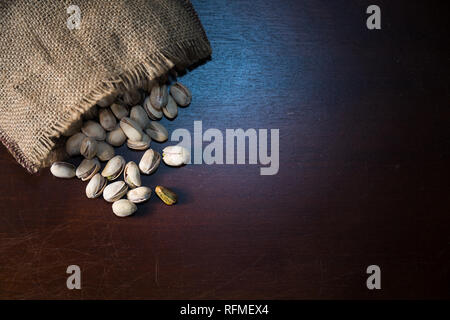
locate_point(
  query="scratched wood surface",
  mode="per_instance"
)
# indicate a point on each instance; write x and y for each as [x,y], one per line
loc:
[363,179]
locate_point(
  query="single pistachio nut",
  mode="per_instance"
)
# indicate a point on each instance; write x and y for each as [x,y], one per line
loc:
[92,113]
[144,144]
[96,186]
[114,168]
[159,96]
[132,97]
[166,195]
[107,100]
[181,94]
[73,128]
[93,129]
[149,161]
[119,110]
[139,115]
[151,111]
[105,151]
[116,137]
[139,195]
[123,208]
[131,175]
[87,169]
[171,109]
[157,131]
[88,148]
[107,119]
[115,191]
[73,144]
[131,129]
[63,170]
[176,156]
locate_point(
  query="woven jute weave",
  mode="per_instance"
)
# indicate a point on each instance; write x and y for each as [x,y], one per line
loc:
[50,75]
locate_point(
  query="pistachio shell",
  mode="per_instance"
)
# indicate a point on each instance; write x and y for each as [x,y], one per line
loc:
[119,110]
[63,170]
[114,168]
[93,129]
[104,151]
[73,128]
[87,169]
[166,195]
[95,186]
[171,109]
[73,144]
[131,175]
[107,119]
[157,131]
[123,208]
[151,111]
[159,96]
[176,155]
[131,129]
[139,195]
[116,137]
[180,94]
[88,147]
[139,115]
[144,144]
[107,100]
[149,161]
[115,191]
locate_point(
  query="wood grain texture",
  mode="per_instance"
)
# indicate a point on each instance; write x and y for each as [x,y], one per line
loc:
[364,175]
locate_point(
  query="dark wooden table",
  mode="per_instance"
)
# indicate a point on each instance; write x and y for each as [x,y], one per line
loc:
[363,180]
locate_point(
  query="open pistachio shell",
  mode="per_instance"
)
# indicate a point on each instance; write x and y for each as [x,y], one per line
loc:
[105,151]
[139,115]
[123,208]
[139,195]
[73,144]
[131,175]
[131,129]
[93,129]
[151,111]
[144,144]
[116,137]
[88,147]
[119,110]
[180,94]
[95,186]
[63,170]
[114,168]
[107,119]
[157,131]
[171,109]
[115,191]
[149,161]
[88,168]
[159,96]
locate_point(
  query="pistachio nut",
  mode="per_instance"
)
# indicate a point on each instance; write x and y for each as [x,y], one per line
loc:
[87,169]
[166,195]
[176,156]
[114,168]
[144,144]
[139,195]
[73,144]
[107,119]
[116,137]
[91,114]
[139,115]
[107,100]
[149,161]
[119,110]
[93,129]
[104,151]
[95,186]
[131,175]
[159,96]
[181,94]
[157,131]
[115,191]
[171,109]
[63,170]
[131,129]
[132,97]
[123,208]
[151,111]
[73,128]
[88,147]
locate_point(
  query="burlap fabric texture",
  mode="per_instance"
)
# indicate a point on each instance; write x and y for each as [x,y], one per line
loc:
[50,75]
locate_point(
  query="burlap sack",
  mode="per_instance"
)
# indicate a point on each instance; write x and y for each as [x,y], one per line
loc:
[50,75]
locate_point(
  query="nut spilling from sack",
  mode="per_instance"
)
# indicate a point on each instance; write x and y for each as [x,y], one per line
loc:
[131,117]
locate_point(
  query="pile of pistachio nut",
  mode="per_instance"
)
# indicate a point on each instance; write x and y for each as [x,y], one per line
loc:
[130,117]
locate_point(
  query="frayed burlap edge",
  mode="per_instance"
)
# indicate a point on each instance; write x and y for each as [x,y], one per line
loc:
[156,64]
